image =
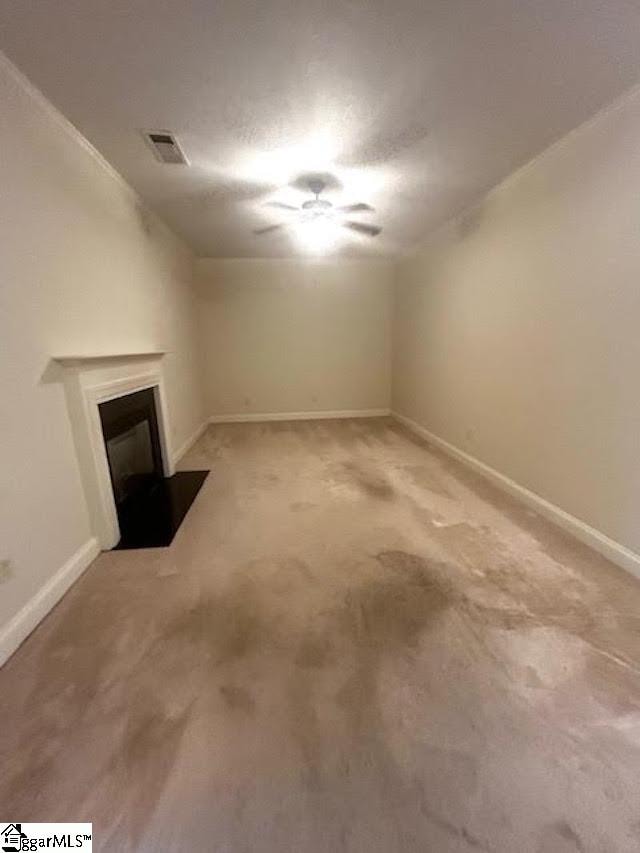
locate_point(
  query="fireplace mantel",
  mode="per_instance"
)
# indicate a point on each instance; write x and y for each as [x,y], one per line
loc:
[90,379]
[78,359]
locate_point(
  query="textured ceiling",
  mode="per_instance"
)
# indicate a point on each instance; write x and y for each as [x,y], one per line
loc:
[417,106]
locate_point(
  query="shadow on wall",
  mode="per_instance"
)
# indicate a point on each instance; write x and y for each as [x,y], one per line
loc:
[470,220]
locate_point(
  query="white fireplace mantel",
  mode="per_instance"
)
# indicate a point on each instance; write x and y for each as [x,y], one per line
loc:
[90,379]
[76,360]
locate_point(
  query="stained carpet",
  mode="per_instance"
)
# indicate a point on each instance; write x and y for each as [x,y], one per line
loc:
[352,644]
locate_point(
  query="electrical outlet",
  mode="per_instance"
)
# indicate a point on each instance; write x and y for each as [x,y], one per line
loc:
[6,571]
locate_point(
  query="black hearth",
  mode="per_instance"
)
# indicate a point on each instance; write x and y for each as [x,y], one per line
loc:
[150,506]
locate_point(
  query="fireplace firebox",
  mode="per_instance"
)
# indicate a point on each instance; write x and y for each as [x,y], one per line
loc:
[150,506]
[130,429]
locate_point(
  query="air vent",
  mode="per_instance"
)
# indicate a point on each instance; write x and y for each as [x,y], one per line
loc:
[165,147]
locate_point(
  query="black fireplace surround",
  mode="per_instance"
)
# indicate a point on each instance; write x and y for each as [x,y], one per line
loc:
[150,506]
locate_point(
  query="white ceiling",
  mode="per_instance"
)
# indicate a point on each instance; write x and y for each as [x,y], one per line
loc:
[418,106]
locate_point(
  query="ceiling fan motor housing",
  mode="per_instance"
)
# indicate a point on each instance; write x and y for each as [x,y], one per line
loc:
[320,205]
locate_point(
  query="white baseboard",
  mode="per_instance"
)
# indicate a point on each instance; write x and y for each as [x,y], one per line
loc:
[45,599]
[186,446]
[609,548]
[298,416]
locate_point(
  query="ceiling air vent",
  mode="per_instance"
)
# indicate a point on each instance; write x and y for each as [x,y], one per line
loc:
[165,146]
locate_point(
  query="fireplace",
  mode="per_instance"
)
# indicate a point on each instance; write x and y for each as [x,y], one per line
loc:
[150,507]
[130,429]
[119,416]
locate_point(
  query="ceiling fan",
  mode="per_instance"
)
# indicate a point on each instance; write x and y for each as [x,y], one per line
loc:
[321,210]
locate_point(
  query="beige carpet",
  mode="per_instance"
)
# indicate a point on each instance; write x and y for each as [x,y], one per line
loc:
[352,645]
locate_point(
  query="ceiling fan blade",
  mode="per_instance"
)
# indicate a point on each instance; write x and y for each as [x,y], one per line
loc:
[281,205]
[363,228]
[269,228]
[356,208]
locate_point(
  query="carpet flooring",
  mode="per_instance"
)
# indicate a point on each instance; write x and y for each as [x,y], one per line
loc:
[353,644]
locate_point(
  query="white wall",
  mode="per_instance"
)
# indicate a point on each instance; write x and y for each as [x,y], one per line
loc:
[517,329]
[83,268]
[295,335]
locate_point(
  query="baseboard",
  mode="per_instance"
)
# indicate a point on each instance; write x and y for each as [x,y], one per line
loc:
[45,599]
[298,416]
[609,548]
[186,446]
